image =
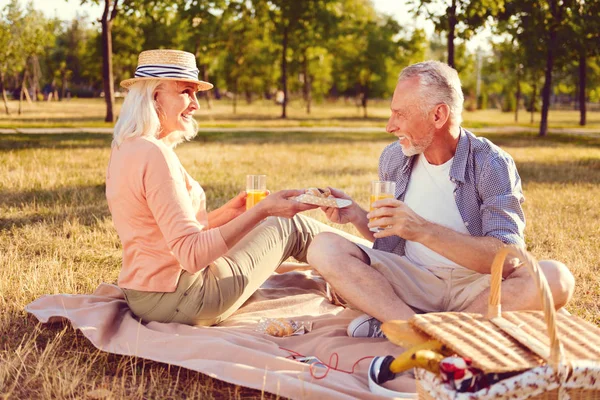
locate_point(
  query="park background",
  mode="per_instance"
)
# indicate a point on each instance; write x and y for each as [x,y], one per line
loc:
[531,79]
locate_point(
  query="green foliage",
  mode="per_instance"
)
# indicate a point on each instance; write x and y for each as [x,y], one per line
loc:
[459,18]
[337,47]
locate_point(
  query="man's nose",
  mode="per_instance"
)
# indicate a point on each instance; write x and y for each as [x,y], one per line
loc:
[391,125]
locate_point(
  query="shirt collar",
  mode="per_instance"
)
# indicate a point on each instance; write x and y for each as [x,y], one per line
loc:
[461,156]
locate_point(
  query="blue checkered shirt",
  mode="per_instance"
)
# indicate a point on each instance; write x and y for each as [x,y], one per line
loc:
[488,189]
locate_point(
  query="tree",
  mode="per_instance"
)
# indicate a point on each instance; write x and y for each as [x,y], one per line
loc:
[458,18]
[35,35]
[314,27]
[368,50]
[290,19]
[9,43]
[204,20]
[541,25]
[111,9]
[585,42]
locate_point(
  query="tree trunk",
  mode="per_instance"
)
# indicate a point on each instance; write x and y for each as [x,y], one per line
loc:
[451,30]
[364,99]
[235,87]
[556,12]
[518,96]
[207,93]
[22,91]
[547,84]
[35,79]
[248,97]
[107,70]
[533,101]
[63,88]
[582,84]
[3,88]
[284,71]
[307,83]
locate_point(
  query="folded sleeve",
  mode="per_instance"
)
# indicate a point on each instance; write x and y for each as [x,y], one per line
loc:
[502,196]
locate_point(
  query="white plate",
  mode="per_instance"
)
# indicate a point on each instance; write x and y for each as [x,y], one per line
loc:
[323,202]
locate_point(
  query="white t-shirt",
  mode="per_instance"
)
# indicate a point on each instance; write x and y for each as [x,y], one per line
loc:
[430,193]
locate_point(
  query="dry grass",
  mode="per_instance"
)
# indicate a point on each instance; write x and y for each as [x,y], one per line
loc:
[56,236]
[90,113]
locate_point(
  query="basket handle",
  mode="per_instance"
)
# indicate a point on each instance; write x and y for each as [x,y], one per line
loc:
[495,308]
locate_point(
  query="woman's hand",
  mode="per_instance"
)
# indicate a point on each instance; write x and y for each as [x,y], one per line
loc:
[236,206]
[280,204]
[228,211]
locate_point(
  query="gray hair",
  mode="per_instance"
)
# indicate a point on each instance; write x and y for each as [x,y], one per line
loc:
[439,84]
[139,116]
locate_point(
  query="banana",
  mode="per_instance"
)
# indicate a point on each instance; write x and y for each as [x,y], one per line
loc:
[403,334]
[426,355]
[429,360]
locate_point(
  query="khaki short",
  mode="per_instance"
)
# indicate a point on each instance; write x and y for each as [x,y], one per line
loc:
[428,289]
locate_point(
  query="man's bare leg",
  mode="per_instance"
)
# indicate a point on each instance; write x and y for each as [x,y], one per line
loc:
[346,268]
[518,290]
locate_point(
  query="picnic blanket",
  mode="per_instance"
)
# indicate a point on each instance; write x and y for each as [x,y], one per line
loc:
[234,351]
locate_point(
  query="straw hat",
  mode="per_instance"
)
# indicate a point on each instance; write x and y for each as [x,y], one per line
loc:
[171,65]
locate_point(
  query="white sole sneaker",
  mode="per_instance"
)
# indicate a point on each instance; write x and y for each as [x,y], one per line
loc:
[365,326]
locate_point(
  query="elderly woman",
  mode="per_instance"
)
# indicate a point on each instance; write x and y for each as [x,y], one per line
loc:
[180,262]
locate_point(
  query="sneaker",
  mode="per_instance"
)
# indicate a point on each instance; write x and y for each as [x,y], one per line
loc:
[365,326]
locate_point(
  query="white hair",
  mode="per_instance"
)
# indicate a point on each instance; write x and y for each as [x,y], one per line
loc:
[139,116]
[439,84]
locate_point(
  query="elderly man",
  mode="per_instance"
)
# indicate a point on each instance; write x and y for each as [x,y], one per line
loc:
[458,200]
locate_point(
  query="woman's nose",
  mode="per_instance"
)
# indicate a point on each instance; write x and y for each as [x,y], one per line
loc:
[194,102]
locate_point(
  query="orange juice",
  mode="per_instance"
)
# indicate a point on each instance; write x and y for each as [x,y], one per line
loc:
[253,197]
[374,198]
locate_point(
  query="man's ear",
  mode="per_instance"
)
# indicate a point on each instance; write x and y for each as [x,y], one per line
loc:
[441,115]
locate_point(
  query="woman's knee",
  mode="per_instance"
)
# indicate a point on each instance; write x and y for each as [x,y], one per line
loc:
[560,280]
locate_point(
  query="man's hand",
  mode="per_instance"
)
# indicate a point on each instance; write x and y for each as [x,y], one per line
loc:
[396,218]
[341,215]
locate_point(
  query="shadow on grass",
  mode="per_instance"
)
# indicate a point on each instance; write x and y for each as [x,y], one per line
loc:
[72,120]
[72,196]
[524,140]
[85,203]
[10,142]
[19,141]
[289,136]
[85,215]
[571,172]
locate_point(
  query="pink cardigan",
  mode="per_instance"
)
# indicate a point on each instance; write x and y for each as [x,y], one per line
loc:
[159,212]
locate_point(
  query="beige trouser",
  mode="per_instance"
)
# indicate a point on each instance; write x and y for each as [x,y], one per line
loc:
[427,288]
[214,293]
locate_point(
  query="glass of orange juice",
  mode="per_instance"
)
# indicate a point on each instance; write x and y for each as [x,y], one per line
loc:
[380,190]
[256,189]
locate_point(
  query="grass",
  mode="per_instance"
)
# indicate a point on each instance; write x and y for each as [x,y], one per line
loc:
[90,113]
[56,236]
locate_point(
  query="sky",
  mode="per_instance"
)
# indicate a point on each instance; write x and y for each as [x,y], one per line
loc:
[67,9]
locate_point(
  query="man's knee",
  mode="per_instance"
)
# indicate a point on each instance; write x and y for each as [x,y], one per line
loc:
[327,248]
[560,280]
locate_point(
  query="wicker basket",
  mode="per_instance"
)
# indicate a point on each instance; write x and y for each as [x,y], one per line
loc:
[552,368]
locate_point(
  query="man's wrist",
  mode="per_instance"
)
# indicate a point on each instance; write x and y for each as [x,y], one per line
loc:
[427,233]
[357,215]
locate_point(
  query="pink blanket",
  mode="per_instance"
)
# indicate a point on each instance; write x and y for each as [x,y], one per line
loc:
[234,352]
